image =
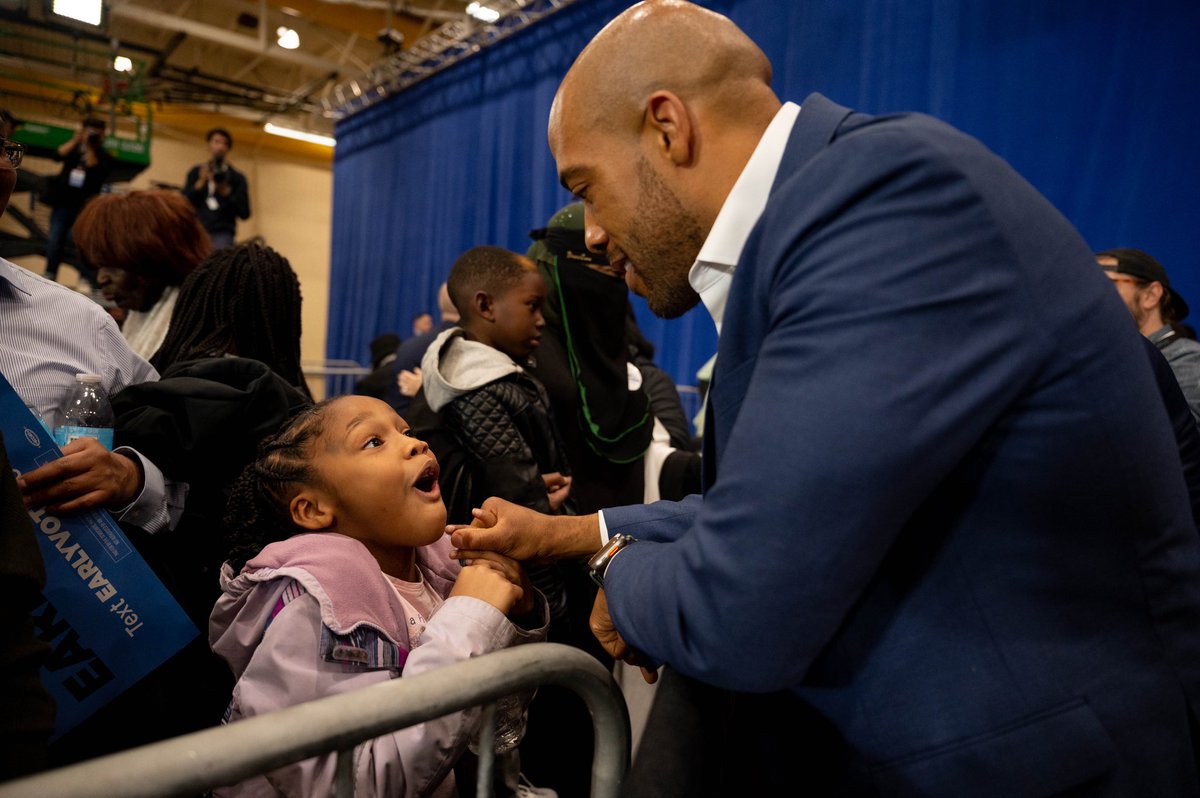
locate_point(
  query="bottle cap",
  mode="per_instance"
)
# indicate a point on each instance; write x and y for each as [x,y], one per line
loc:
[89,378]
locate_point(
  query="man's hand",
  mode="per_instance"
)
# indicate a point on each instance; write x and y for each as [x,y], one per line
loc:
[203,177]
[409,381]
[86,476]
[558,488]
[525,534]
[602,627]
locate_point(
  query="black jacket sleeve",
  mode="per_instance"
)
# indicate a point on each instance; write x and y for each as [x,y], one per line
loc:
[28,717]
[239,194]
[189,188]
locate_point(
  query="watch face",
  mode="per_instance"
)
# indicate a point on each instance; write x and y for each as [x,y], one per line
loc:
[598,564]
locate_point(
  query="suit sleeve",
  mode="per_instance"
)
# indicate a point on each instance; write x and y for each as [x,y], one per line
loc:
[889,343]
[660,521]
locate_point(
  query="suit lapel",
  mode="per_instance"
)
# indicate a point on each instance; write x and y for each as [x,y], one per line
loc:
[708,456]
[816,126]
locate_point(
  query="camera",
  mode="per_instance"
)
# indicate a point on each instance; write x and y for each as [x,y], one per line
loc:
[93,130]
[218,169]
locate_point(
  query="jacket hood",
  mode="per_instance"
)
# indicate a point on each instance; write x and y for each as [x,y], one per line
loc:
[454,365]
[202,422]
[337,571]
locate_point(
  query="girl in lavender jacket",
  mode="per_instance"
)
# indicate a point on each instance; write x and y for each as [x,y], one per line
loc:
[340,578]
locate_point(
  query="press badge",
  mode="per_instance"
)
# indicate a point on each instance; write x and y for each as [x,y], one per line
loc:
[76,178]
[212,203]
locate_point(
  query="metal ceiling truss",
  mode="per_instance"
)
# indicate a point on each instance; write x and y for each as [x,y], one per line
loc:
[452,42]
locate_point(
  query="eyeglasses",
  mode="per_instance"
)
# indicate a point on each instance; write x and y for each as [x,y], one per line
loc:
[13,151]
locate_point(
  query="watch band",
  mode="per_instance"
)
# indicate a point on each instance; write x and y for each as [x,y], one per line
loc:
[598,564]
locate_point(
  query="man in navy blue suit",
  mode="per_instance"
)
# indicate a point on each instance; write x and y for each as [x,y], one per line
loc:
[943,506]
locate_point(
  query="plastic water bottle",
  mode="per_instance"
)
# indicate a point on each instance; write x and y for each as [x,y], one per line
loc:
[86,413]
[32,408]
[512,712]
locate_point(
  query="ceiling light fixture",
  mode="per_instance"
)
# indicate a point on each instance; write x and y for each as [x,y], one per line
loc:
[122,64]
[300,135]
[482,12]
[288,38]
[89,11]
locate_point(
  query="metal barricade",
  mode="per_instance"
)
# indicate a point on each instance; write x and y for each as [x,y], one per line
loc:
[197,762]
[690,399]
[338,376]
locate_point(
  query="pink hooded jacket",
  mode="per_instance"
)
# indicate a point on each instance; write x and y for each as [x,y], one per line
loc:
[313,616]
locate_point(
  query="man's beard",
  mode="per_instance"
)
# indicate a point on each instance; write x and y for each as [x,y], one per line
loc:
[663,245]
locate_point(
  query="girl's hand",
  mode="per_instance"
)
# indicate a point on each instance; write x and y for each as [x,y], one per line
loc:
[487,583]
[512,571]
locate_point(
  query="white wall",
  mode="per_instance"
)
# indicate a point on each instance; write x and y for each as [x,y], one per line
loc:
[291,205]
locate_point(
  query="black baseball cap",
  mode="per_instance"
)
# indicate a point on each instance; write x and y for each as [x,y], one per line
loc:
[1136,263]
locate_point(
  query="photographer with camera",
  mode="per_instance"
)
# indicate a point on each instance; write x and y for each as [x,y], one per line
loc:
[85,170]
[218,191]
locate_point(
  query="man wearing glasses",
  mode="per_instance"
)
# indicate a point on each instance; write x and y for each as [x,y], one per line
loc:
[1157,310]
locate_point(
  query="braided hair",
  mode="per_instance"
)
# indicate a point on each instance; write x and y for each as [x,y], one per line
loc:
[258,510]
[243,300]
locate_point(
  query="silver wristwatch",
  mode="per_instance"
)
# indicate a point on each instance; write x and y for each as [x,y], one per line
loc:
[598,564]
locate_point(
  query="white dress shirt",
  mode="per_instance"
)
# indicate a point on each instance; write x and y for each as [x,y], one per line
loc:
[712,273]
[48,334]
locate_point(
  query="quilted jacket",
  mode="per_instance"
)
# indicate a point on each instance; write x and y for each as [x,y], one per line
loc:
[502,433]
[498,413]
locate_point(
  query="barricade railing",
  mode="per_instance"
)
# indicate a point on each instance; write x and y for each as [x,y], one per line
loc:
[340,376]
[689,397]
[194,763]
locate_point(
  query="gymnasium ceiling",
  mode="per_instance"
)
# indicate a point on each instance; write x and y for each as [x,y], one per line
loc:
[202,58]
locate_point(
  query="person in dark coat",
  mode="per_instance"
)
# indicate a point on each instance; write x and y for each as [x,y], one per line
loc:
[86,167]
[28,717]
[219,193]
[598,370]
[383,352]
[405,370]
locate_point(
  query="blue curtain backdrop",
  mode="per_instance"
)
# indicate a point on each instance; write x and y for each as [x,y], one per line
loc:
[1096,102]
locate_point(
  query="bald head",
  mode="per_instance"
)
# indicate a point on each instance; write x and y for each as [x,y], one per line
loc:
[666,45]
[650,128]
[446,307]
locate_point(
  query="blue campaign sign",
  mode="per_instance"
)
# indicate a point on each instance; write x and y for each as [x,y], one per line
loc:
[107,617]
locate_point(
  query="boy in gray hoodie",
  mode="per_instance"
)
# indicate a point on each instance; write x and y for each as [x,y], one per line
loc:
[498,416]
[473,375]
